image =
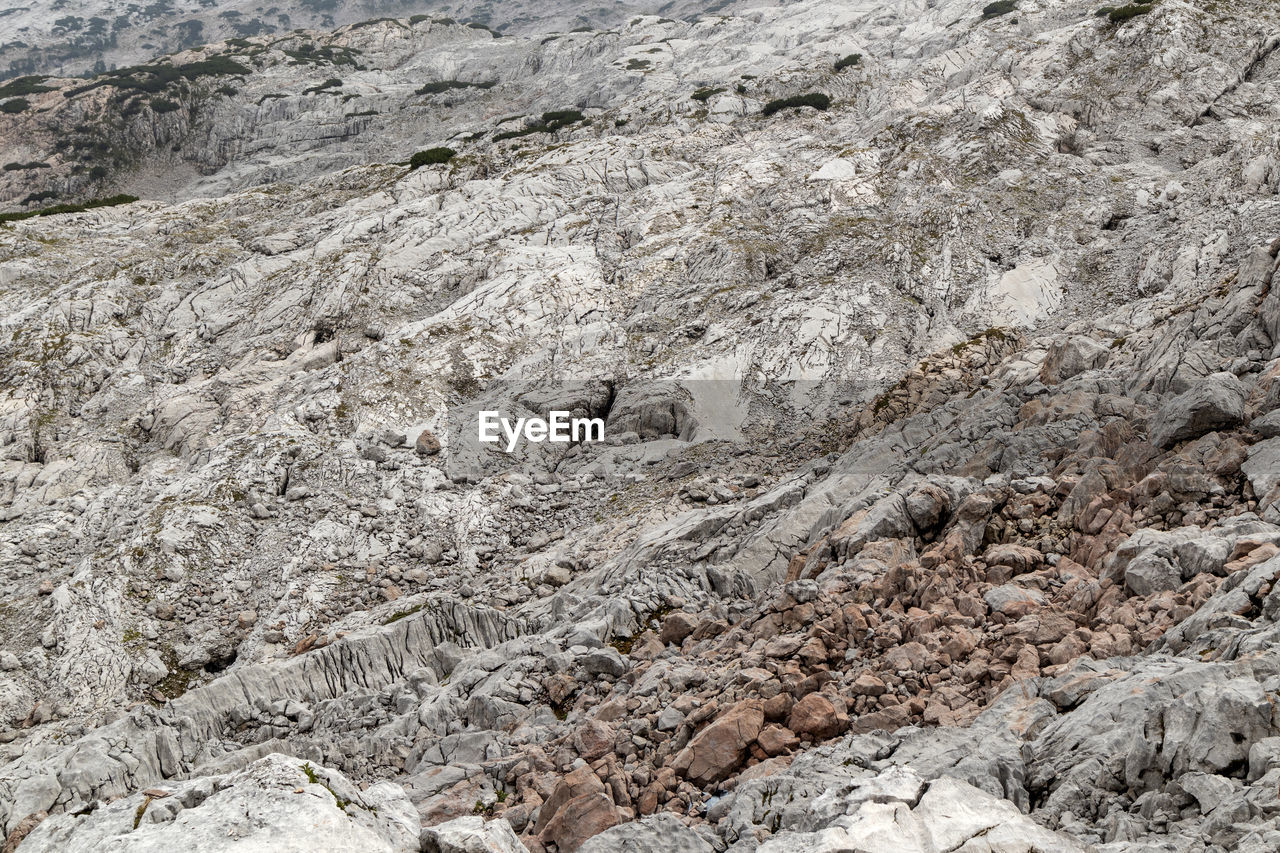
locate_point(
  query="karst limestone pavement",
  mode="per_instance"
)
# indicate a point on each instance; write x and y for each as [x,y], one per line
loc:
[939,505]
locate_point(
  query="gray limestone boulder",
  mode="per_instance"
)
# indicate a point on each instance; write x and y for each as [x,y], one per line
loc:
[949,815]
[1214,403]
[663,833]
[1071,357]
[471,834]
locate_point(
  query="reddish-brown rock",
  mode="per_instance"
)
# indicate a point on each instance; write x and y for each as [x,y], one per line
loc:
[593,739]
[717,750]
[575,784]
[775,740]
[817,716]
[867,684]
[677,626]
[579,819]
[1007,561]
[776,708]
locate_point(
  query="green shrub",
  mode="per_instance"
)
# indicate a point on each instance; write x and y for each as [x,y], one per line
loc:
[1133,10]
[24,86]
[998,8]
[110,201]
[817,100]
[706,93]
[418,19]
[850,60]
[431,157]
[556,119]
[361,24]
[13,106]
[551,122]
[449,85]
[158,77]
[309,54]
[162,105]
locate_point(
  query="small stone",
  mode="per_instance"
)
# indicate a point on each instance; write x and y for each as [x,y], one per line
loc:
[426,444]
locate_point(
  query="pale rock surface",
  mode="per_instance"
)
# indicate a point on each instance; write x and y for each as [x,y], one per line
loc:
[271,804]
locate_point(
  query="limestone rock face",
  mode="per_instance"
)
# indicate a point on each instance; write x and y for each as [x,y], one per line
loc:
[937,502]
[471,834]
[277,803]
[949,815]
[657,834]
[1071,357]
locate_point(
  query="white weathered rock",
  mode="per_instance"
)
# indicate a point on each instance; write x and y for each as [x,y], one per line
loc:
[271,804]
[471,834]
[950,815]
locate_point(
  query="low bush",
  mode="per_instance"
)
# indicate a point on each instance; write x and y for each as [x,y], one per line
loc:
[431,157]
[13,106]
[551,122]
[817,100]
[1133,10]
[159,76]
[704,94]
[998,8]
[110,201]
[162,105]
[24,86]
[848,61]
[449,85]
[556,119]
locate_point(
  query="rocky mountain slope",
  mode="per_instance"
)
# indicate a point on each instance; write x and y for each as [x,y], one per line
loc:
[937,512]
[78,37]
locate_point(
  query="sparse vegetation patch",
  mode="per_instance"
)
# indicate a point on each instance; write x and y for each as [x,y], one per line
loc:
[817,100]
